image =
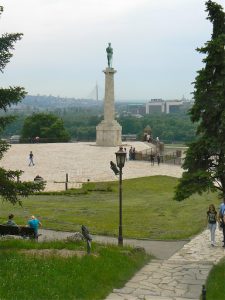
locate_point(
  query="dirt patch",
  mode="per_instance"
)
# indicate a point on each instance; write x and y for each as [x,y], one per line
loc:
[54,252]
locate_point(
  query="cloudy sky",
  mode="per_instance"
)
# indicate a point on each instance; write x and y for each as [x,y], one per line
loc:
[63,54]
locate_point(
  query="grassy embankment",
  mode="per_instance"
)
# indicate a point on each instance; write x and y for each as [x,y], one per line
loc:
[215,286]
[53,275]
[149,210]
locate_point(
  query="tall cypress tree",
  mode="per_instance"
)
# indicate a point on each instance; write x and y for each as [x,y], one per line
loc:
[11,189]
[204,165]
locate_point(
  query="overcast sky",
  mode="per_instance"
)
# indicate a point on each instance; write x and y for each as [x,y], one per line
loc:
[63,53]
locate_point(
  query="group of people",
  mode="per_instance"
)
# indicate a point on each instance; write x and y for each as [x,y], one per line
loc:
[33,222]
[132,153]
[213,218]
[148,138]
[152,158]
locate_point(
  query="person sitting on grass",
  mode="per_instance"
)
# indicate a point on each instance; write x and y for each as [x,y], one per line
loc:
[10,221]
[34,223]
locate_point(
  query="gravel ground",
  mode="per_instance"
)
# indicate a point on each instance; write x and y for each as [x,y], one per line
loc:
[82,161]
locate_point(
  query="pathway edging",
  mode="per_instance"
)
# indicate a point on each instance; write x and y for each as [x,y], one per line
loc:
[178,278]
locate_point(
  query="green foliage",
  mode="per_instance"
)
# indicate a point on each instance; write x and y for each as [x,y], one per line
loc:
[215,282]
[7,42]
[46,126]
[13,126]
[10,188]
[82,126]
[169,127]
[205,159]
[24,276]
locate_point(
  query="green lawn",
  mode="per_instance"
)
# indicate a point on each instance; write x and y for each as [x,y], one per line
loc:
[149,210]
[34,276]
[215,286]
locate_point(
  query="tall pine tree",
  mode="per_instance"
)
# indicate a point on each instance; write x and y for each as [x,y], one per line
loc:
[11,189]
[204,164]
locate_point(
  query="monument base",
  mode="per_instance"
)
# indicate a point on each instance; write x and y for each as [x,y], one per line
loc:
[108,134]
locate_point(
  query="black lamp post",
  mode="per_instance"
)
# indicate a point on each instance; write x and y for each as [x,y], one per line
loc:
[120,161]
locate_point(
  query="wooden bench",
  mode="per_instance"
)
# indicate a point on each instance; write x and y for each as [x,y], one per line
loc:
[17,230]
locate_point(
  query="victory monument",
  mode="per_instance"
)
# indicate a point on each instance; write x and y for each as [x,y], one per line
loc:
[108,132]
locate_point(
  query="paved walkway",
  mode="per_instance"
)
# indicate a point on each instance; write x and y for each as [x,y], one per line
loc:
[160,249]
[178,278]
[178,273]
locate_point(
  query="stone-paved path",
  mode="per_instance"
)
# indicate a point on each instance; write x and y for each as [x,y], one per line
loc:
[178,278]
[178,273]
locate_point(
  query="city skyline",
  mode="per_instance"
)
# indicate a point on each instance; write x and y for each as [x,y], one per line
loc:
[62,52]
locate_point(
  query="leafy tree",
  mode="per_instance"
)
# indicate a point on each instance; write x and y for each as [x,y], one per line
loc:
[46,126]
[11,189]
[205,160]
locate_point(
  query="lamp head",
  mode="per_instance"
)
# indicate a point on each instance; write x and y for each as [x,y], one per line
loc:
[120,158]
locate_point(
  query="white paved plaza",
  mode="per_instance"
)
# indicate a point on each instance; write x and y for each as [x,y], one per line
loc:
[82,161]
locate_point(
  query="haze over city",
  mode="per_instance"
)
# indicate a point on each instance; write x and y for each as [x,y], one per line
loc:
[63,48]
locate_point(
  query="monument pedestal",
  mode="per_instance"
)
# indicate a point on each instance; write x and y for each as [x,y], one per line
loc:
[108,132]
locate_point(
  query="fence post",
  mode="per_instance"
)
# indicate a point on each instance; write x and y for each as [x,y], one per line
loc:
[203,292]
[66,182]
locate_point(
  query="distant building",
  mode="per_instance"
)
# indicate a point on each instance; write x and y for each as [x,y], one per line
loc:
[162,106]
[155,106]
[173,106]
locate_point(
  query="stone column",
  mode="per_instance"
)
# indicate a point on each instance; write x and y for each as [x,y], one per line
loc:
[109,109]
[108,132]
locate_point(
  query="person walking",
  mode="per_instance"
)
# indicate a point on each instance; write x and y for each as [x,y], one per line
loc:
[34,223]
[134,154]
[212,218]
[158,159]
[31,158]
[125,150]
[130,153]
[222,219]
[152,159]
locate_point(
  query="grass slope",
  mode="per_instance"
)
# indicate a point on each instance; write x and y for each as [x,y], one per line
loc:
[215,286]
[28,277]
[149,210]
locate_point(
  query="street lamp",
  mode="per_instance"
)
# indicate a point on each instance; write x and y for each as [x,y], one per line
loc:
[120,161]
